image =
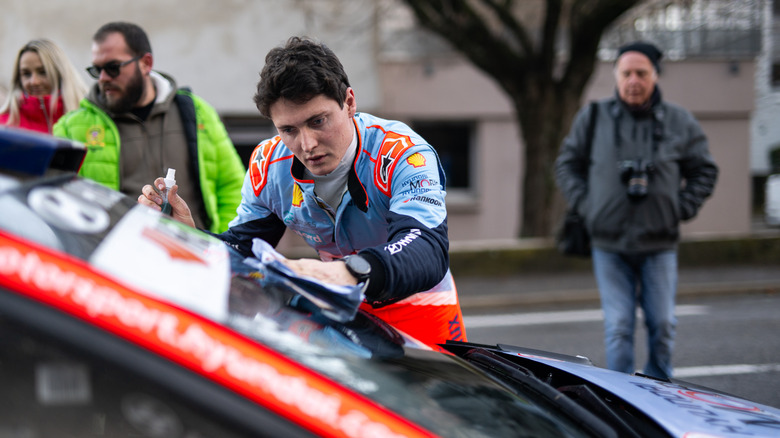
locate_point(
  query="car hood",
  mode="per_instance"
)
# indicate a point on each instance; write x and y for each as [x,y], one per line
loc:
[682,409]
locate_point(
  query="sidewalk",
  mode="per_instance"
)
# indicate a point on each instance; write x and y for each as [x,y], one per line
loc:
[568,288]
[531,273]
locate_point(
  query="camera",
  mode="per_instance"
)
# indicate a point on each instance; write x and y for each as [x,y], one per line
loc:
[636,175]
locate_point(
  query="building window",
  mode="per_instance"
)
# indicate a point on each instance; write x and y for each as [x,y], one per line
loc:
[453,141]
[247,132]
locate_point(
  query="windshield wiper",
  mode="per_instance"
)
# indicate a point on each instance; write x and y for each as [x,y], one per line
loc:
[511,373]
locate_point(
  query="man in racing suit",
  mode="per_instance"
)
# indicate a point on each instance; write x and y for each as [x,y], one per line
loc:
[366,193]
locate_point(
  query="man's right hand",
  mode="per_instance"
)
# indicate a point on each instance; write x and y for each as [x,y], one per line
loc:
[150,197]
[334,272]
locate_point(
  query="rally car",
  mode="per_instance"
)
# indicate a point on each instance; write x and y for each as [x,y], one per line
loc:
[116,321]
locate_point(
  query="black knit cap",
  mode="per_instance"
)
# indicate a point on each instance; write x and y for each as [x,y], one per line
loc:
[652,52]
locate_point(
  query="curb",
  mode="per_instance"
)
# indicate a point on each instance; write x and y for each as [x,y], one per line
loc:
[524,256]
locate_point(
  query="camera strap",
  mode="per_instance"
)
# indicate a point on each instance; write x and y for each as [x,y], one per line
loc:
[656,132]
[594,111]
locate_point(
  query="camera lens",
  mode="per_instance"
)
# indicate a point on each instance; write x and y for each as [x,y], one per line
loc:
[635,174]
[637,185]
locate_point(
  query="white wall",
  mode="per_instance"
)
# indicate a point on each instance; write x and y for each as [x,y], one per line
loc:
[215,47]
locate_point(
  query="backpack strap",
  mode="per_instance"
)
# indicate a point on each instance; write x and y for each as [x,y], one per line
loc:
[594,111]
[592,116]
[189,121]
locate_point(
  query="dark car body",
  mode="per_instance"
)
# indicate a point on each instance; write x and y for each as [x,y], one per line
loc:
[116,320]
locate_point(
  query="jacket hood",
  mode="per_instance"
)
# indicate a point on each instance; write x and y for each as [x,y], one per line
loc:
[165,90]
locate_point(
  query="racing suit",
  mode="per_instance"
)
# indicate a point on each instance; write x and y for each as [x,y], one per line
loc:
[392,213]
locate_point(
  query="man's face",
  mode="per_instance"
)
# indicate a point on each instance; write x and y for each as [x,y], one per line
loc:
[636,78]
[318,132]
[123,92]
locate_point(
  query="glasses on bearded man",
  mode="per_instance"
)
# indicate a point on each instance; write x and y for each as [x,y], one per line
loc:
[112,68]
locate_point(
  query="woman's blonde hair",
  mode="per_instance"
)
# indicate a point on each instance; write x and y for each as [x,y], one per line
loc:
[64,78]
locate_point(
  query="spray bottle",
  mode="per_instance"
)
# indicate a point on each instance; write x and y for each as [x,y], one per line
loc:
[170,180]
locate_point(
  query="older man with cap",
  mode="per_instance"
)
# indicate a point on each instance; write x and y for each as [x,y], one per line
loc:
[634,166]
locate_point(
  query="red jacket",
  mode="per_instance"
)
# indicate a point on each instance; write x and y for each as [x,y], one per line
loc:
[35,113]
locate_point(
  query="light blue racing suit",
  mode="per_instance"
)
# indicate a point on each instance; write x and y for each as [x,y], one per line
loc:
[393,213]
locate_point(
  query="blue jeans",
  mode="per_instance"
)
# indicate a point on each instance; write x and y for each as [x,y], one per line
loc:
[649,280]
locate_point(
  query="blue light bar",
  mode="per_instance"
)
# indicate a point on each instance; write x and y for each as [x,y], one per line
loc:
[35,153]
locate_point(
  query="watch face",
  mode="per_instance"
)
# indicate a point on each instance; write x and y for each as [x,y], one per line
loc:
[358,266]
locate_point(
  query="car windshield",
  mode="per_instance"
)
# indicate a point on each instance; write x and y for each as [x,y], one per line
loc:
[140,247]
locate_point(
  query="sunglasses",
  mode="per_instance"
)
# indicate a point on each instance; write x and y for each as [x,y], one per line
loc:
[112,68]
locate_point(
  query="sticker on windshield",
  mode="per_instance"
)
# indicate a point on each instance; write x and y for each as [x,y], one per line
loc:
[168,259]
[151,416]
[93,192]
[62,384]
[67,211]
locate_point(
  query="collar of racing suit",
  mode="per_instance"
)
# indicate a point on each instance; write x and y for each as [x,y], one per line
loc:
[355,187]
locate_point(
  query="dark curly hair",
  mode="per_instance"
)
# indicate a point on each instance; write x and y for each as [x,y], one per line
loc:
[299,71]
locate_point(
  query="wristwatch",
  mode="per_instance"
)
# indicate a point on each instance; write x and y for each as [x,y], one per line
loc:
[358,267]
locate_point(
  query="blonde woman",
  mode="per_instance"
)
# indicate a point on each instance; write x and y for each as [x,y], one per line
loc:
[45,85]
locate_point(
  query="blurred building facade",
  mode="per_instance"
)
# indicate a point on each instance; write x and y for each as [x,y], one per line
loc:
[399,71]
[710,68]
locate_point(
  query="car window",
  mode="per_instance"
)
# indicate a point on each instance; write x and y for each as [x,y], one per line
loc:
[50,389]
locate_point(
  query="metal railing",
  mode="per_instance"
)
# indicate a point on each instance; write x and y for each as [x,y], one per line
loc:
[687,44]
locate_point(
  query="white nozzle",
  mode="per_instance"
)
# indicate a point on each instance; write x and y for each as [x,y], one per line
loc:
[170,179]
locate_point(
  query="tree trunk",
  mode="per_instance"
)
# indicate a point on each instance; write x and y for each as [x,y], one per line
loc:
[545,120]
[523,63]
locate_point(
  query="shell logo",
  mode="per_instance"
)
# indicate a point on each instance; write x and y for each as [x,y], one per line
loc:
[416,160]
[297,198]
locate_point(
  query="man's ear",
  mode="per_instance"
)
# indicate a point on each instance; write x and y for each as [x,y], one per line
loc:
[350,102]
[146,62]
